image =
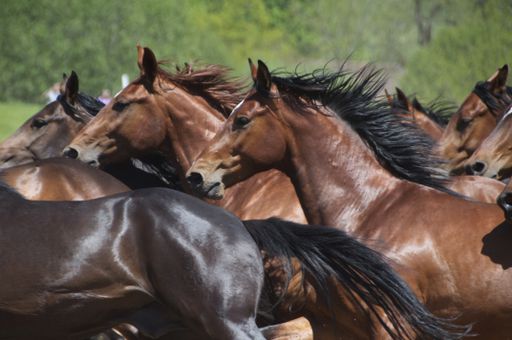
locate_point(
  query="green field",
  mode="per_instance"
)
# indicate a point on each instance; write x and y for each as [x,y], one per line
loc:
[13,114]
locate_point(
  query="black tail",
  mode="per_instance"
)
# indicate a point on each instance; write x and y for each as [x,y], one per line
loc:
[330,253]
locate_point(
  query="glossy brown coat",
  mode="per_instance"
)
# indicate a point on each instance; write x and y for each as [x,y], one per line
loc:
[493,158]
[478,188]
[60,179]
[474,120]
[176,116]
[442,245]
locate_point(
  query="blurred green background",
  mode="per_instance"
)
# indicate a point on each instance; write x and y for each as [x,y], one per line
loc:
[429,47]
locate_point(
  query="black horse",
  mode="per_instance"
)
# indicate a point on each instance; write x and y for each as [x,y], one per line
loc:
[72,269]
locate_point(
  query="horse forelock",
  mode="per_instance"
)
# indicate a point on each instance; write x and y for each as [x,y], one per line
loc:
[398,145]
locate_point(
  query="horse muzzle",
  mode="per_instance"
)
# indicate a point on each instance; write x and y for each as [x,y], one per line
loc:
[206,186]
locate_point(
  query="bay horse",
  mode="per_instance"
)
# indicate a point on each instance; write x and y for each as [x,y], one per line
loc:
[493,158]
[475,119]
[175,115]
[431,120]
[72,269]
[46,133]
[360,168]
[60,179]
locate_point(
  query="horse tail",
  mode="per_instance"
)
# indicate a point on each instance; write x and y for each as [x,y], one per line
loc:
[326,253]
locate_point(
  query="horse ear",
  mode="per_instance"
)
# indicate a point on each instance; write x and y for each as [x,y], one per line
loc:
[402,98]
[62,85]
[263,77]
[140,55]
[71,89]
[254,70]
[389,98]
[499,80]
[149,65]
[417,105]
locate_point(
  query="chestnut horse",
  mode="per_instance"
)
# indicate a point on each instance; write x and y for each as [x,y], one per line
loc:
[431,121]
[493,158]
[45,134]
[360,168]
[72,269]
[474,120]
[176,115]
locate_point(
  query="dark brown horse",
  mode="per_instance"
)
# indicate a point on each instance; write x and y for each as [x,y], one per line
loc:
[357,167]
[176,115]
[71,269]
[46,133]
[493,158]
[431,120]
[475,119]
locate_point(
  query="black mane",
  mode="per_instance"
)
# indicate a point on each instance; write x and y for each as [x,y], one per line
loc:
[85,108]
[497,103]
[439,111]
[399,146]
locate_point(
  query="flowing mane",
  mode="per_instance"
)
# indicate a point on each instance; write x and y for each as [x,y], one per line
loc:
[439,111]
[496,103]
[211,82]
[398,145]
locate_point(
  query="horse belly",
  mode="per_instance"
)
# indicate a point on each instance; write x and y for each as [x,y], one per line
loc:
[69,316]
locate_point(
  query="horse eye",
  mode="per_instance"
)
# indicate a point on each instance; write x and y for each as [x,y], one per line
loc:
[119,106]
[39,123]
[242,121]
[462,124]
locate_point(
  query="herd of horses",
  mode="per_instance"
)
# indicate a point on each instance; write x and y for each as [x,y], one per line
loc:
[304,206]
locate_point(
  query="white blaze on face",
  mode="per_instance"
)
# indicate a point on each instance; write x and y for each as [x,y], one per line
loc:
[236,107]
[508,113]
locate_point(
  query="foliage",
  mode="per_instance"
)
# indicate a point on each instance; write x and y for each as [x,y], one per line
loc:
[461,54]
[13,114]
[97,38]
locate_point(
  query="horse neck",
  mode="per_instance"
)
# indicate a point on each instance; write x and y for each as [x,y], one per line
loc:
[192,124]
[338,179]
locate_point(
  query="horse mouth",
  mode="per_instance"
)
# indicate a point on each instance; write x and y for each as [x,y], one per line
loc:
[93,163]
[214,191]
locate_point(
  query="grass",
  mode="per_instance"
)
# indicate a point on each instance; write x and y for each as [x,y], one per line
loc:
[13,114]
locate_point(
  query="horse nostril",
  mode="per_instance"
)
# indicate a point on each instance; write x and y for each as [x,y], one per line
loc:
[478,167]
[195,179]
[506,198]
[70,153]
[505,202]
